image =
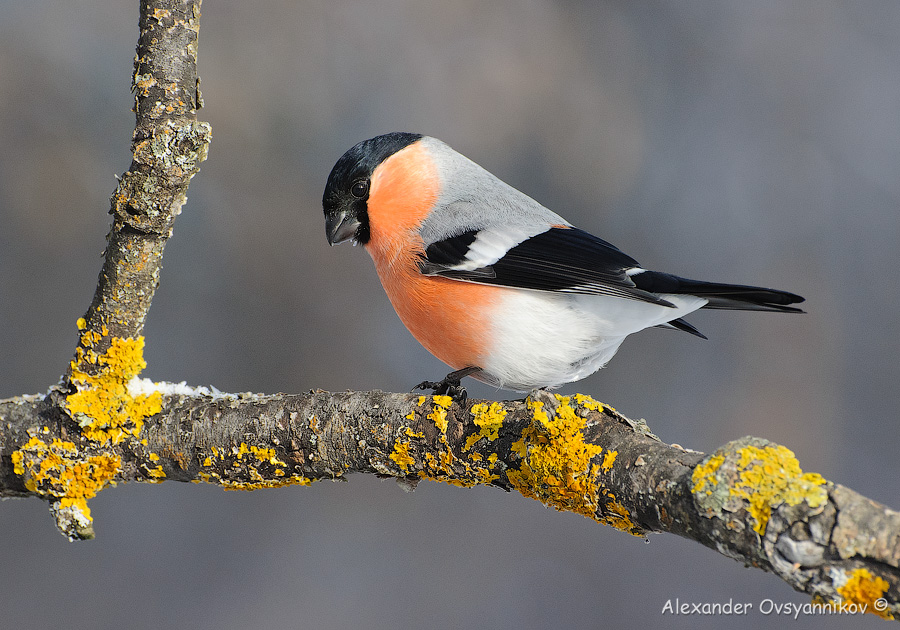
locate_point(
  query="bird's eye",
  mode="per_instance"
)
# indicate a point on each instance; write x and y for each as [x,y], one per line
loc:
[360,188]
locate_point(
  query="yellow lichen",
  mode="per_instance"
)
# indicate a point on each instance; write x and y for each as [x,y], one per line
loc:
[864,588]
[556,468]
[443,401]
[401,455]
[705,473]
[771,476]
[550,443]
[157,473]
[758,476]
[488,419]
[460,483]
[589,403]
[446,467]
[250,457]
[617,515]
[486,476]
[608,459]
[102,405]
[293,480]
[58,470]
[446,458]
[266,455]
[438,414]
[106,412]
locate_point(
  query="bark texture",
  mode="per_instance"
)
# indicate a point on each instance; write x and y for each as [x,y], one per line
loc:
[168,146]
[749,500]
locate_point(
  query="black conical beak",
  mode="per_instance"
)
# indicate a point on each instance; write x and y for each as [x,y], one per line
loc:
[340,226]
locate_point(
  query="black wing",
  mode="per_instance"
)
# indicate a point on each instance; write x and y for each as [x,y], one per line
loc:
[561,259]
[574,261]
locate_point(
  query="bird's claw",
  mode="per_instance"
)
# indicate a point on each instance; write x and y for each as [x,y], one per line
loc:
[449,385]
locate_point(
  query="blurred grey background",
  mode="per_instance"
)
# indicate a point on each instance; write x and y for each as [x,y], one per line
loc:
[748,141]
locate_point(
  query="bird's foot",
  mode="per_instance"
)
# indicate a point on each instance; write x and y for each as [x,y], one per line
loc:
[450,385]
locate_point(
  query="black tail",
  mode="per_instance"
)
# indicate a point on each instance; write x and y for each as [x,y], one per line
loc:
[725,296]
[680,324]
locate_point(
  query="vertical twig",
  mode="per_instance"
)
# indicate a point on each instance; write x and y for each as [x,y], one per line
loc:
[168,146]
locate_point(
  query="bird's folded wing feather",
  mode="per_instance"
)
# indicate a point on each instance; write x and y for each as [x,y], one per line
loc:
[563,259]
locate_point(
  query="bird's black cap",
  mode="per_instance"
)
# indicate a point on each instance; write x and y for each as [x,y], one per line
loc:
[356,166]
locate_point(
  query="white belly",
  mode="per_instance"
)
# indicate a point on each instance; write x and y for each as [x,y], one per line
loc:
[548,339]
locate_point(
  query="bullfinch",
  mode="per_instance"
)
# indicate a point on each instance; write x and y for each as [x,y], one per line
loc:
[494,284]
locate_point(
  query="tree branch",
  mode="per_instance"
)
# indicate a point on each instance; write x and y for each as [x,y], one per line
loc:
[168,146]
[104,425]
[749,500]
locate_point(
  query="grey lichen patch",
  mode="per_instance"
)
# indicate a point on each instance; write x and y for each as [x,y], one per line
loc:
[142,84]
[72,521]
[175,148]
[753,478]
[710,491]
[150,195]
[881,537]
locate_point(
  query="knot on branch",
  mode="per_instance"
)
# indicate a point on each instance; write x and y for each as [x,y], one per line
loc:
[68,475]
[173,149]
[754,477]
[150,195]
